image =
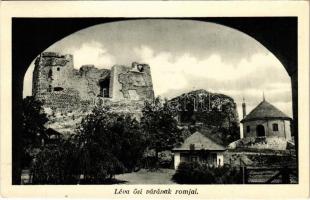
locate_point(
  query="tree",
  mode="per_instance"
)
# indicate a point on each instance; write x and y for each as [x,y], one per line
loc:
[33,130]
[160,126]
[56,164]
[109,143]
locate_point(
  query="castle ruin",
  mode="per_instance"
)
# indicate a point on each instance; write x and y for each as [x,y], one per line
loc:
[61,87]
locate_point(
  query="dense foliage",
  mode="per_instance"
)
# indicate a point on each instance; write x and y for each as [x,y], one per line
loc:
[33,130]
[197,173]
[160,126]
[110,143]
[56,164]
[105,144]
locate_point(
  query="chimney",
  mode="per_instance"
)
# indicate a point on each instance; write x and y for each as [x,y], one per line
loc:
[243,109]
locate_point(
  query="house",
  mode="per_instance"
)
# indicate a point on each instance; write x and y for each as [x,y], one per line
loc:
[52,136]
[265,121]
[199,148]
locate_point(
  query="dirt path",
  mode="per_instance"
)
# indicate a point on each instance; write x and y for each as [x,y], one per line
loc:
[162,176]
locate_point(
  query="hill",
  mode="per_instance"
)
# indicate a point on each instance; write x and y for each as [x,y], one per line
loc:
[214,114]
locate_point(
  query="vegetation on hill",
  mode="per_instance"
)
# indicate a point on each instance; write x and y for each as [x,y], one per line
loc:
[105,144]
[217,114]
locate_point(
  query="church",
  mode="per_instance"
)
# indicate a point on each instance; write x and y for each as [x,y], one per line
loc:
[265,120]
[265,127]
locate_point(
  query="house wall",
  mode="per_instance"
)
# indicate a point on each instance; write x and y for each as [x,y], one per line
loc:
[214,158]
[220,159]
[283,128]
[177,160]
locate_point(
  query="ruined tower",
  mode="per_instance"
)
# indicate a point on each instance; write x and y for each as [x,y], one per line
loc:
[62,87]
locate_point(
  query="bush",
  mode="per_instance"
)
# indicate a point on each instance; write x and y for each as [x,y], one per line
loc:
[197,173]
[56,164]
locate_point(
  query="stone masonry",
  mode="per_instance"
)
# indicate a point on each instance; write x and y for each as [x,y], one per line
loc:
[68,94]
[61,87]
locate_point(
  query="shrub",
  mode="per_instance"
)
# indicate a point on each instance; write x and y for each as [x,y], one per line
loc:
[197,173]
[56,164]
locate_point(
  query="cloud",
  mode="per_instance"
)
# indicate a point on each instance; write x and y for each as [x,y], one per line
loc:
[91,52]
[249,78]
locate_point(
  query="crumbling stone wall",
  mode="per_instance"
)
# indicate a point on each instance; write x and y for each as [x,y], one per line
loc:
[131,83]
[136,82]
[63,88]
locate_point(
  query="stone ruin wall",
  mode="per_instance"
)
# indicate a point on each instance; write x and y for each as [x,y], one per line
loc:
[80,89]
[133,83]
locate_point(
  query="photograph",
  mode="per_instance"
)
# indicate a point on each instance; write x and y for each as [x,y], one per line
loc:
[158,101]
[173,100]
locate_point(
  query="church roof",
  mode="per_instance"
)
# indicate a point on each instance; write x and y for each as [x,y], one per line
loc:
[265,110]
[198,141]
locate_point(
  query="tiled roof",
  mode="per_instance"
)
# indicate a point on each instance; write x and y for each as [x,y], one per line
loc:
[200,142]
[265,110]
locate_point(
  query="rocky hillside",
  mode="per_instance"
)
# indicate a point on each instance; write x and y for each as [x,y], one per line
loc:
[214,111]
[67,122]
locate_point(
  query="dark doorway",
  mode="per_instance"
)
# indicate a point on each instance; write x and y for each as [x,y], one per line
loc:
[260,131]
[104,85]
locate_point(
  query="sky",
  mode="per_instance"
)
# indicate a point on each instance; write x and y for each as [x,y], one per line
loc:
[184,55]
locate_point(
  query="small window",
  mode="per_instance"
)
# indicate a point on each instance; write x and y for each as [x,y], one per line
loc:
[58,89]
[194,159]
[49,88]
[58,69]
[275,127]
[248,129]
[140,68]
[50,73]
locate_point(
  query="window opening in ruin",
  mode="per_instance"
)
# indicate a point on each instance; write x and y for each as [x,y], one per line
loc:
[260,131]
[140,68]
[275,127]
[104,85]
[58,89]
[50,73]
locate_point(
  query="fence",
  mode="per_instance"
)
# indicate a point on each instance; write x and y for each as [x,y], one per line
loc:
[268,175]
